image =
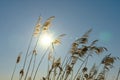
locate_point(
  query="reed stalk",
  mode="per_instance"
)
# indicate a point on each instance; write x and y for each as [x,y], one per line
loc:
[117,78]
[17,61]
[34,63]
[14,71]
[29,66]
[81,67]
[40,63]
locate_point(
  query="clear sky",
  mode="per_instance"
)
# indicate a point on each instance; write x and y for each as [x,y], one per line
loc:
[72,17]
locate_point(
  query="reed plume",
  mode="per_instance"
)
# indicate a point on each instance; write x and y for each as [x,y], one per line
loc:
[17,61]
[80,50]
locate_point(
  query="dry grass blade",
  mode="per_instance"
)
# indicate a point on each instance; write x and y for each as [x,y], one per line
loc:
[62,35]
[87,33]
[94,42]
[118,58]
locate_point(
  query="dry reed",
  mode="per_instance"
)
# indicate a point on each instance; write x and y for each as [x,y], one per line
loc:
[64,70]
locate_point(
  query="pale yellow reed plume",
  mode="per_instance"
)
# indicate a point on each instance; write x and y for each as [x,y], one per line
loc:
[57,63]
[48,23]
[37,28]
[58,39]
[50,56]
[18,58]
[21,72]
[17,61]
[84,38]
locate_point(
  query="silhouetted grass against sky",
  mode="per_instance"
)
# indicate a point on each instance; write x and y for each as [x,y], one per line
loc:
[72,17]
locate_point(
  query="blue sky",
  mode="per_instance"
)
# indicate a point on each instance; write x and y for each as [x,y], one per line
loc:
[72,17]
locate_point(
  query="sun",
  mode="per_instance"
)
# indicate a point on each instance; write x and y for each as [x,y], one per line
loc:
[46,39]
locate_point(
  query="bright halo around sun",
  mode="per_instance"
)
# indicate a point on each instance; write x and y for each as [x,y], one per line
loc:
[46,39]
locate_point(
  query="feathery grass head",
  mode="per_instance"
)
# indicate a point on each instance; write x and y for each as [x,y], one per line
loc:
[108,61]
[47,24]
[98,50]
[34,52]
[94,42]
[93,71]
[79,51]
[74,59]
[58,39]
[21,72]
[50,56]
[57,63]
[76,43]
[74,48]
[37,28]
[101,76]
[86,76]
[84,69]
[83,51]
[87,33]
[68,69]
[18,58]
[84,38]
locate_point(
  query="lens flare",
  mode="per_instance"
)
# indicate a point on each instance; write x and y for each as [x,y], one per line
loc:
[46,39]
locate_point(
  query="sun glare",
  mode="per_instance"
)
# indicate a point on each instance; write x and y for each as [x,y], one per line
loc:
[46,39]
